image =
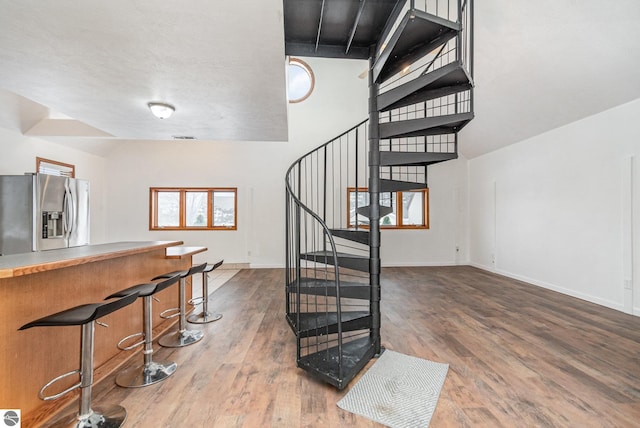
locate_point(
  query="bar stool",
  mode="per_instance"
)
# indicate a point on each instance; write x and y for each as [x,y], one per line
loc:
[150,371]
[205,316]
[85,316]
[182,337]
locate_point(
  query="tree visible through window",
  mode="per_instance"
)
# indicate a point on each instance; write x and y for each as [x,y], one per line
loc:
[412,213]
[193,208]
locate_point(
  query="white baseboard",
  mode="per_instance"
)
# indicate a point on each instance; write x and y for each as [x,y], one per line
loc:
[421,264]
[553,287]
[264,266]
[234,266]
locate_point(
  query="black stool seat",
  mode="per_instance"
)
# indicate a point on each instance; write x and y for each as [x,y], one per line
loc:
[147,289]
[82,314]
[150,371]
[85,316]
[205,316]
[182,337]
[180,273]
[213,266]
[183,273]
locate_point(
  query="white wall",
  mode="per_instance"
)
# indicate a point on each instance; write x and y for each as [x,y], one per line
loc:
[18,155]
[257,169]
[551,210]
[120,204]
[446,240]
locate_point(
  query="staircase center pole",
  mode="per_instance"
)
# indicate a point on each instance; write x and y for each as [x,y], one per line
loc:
[374,201]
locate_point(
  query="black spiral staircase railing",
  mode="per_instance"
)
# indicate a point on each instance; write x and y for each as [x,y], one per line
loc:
[421,96]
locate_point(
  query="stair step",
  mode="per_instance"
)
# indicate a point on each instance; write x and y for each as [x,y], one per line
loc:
[414,158]
[417,34]
[325,364]
[323,323]
[356,235]
[435,125]
[366,210]
[399,186]
[447,80]
[350,261]
[322,287]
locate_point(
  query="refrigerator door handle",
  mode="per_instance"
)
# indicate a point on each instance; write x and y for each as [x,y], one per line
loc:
[68,210]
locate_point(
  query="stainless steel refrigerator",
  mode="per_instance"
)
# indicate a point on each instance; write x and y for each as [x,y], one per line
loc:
[42,212]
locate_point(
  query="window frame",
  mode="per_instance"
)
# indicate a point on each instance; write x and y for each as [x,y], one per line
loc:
[399,209]
[153,207]
[48,166]
[312,78]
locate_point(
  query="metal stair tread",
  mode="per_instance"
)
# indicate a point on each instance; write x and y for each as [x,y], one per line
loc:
[414,158]
[325,364]
[329,254]
[322,287]
[356,235]
[322,324]
[445,80]
[434,125]
[398,186]
[321,320]
[366,211]
[408,42]
[350,261]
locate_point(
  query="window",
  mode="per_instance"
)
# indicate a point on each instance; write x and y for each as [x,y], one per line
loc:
[51,167]
[301,80]
[411,213]
[193,208]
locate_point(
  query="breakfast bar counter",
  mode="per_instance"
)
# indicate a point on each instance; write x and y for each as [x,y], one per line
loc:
[28,263]
[34,285]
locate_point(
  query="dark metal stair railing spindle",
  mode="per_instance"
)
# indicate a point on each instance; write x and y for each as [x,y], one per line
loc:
[374,202]
[308,206]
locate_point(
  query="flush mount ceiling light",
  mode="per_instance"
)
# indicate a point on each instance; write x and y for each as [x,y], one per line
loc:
[161,110]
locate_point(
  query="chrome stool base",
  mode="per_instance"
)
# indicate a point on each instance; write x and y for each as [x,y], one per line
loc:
[180,338]
[145,374]
[203,318]
[100,417]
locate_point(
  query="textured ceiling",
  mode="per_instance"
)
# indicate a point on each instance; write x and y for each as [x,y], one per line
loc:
[538,65]
[101,63]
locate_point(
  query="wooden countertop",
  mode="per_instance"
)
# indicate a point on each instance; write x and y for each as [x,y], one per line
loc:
[181,251]
[24,264]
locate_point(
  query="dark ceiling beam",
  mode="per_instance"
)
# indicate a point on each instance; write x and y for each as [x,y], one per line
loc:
[355,25]
[320,25]
[325,51]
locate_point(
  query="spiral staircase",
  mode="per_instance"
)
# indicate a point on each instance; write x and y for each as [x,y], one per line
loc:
[420,97]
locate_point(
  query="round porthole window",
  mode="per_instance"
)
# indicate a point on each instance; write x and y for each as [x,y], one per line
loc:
[301,80]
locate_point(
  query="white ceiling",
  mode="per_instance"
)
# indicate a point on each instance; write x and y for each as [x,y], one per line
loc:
[538,65]
[546,63]
[101,62]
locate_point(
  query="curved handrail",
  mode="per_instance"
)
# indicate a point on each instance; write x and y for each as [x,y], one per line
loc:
[317,223]
[317,149]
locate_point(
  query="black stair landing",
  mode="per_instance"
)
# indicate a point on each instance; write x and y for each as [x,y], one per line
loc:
[327,287]
[435,125]
[418,34]
[325,364]
[356,235]
[446,80]
[414,158]
[323,323]
[350,261]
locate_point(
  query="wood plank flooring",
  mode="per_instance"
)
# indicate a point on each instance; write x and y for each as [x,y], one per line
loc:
[519,356]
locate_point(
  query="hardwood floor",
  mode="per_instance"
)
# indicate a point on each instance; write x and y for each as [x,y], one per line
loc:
[518,355]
